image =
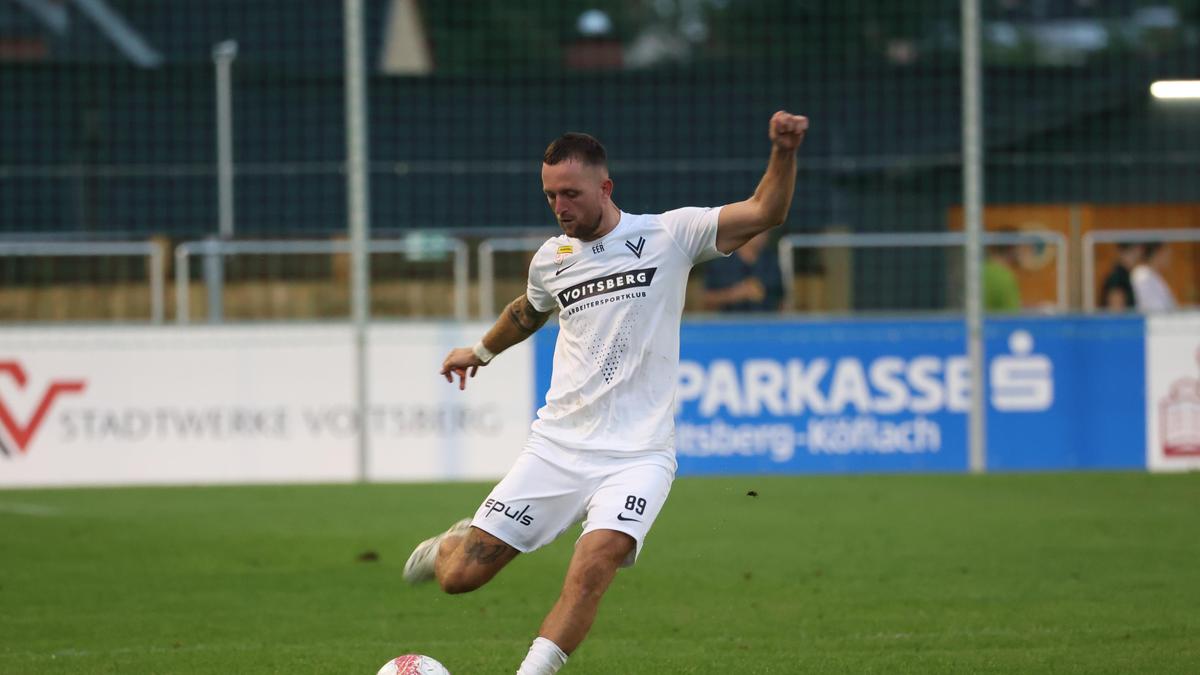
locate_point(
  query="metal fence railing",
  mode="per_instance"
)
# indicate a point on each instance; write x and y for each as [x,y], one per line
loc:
[155,271]
[487,267]
[788,245]
[215,251]
[1091,239]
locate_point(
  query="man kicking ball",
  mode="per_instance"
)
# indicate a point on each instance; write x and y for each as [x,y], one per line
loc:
[601,450]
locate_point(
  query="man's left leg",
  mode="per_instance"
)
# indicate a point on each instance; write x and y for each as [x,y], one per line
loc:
[598,556]
[619,515]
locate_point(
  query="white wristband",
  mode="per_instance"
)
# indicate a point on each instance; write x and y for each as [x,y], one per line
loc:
[483,353]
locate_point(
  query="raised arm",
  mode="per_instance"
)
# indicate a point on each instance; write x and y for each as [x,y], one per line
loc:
[518,321]
[738,223]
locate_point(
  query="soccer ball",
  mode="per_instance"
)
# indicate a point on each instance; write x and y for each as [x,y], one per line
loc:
[413,664]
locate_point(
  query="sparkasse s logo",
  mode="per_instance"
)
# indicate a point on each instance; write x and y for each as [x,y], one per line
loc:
[1022,381]
[22,435]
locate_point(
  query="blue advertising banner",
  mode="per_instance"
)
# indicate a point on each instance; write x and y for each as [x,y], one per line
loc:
[868,395]
[822,397]
[1066,393]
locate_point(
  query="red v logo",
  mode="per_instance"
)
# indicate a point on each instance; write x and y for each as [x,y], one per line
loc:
[22,435]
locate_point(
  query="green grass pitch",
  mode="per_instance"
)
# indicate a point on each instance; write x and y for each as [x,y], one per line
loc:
[1062,573]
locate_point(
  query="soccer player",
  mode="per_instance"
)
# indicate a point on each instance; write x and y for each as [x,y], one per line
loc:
[602,448]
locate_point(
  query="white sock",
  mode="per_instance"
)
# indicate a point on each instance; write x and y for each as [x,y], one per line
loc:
[544,658]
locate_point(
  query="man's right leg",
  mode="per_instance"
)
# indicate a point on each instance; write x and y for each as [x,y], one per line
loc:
[537,500]
[468,560]
[534,503]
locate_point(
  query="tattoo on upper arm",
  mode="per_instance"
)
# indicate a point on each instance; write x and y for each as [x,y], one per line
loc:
[525,317]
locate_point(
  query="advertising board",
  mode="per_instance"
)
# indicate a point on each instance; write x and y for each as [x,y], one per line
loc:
[1173,392]
[867,395]
[248,404]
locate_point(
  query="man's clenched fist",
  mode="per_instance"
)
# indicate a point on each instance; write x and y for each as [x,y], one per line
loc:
[787,130]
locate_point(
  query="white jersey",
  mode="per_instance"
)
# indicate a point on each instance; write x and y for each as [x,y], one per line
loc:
[1150,291]
[619,302]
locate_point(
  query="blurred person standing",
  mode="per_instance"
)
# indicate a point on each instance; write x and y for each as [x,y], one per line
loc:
[1001,293]
[750,280]
[1150,287]
[1117,294]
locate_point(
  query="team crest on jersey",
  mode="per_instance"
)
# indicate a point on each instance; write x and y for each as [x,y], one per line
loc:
[563,252]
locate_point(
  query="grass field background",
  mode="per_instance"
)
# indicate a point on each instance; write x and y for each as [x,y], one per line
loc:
[1064,573]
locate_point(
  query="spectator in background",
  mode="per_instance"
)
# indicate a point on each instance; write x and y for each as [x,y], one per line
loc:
[1000,290]
[1150,287]
[1116,295]
[747,281]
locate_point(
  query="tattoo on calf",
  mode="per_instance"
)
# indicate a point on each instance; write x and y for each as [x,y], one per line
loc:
[485,553]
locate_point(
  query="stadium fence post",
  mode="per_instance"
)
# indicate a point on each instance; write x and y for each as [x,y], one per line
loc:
[972,155]
[223,54]
[357,196]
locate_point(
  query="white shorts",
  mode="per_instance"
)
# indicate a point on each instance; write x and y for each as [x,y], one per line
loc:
[550,488]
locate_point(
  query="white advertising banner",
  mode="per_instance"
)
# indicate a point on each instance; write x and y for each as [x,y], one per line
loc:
[253,404]
[1173,392]
[426,429]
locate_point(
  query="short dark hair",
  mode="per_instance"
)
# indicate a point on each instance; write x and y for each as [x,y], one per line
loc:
[1149,248]
[578,146]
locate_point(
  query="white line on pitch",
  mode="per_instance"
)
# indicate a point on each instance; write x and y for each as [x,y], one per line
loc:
[29,509]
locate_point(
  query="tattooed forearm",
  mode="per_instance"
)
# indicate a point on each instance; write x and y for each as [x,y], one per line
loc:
[517,322]
[478,551]
[525,317]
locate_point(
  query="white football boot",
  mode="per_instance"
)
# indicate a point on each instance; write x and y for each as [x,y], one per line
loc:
[419,567]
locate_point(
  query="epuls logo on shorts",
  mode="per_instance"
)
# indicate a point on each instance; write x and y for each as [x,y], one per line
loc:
[610,283]
[521,516]
[22,435]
